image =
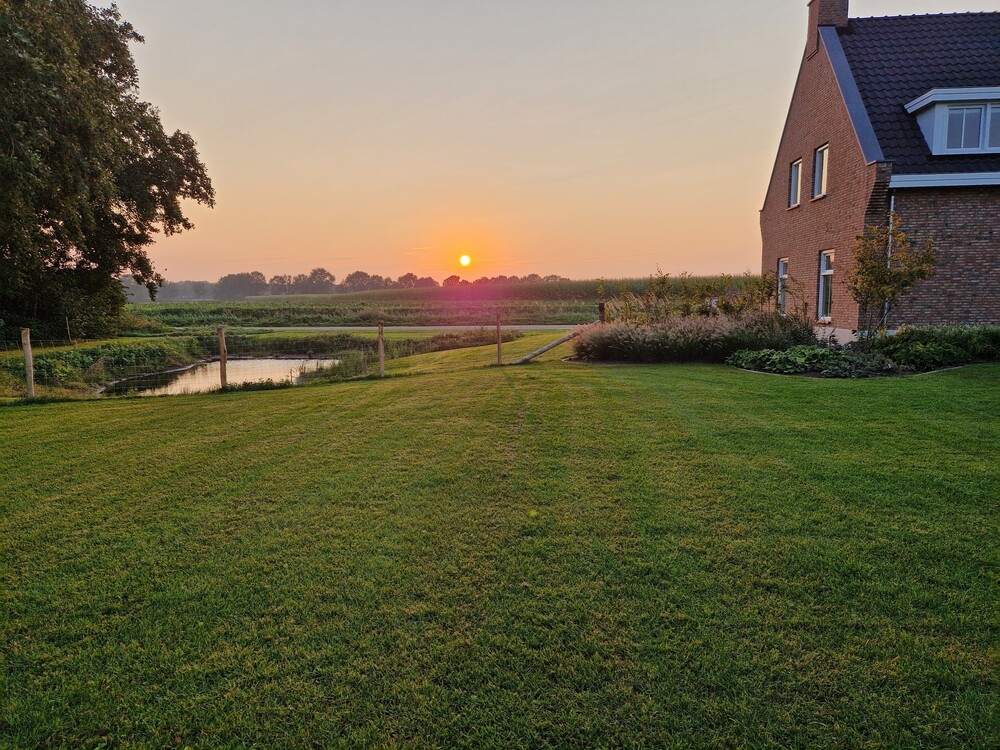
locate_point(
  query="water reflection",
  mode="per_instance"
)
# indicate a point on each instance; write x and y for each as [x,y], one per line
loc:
[204,377]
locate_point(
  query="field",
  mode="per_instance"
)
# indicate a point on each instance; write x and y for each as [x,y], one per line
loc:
[555,555]
[556,303]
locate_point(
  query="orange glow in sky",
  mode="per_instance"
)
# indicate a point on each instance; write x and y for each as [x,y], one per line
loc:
[586,139]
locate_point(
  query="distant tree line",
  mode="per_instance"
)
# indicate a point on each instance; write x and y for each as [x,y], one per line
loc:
[532,278]
[238,286]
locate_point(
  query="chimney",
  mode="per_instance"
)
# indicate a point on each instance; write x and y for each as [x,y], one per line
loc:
[825,13]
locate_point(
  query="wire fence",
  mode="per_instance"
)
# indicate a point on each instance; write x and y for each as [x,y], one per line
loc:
[213,360]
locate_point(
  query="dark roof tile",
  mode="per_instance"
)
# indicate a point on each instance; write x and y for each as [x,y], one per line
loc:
[896,59]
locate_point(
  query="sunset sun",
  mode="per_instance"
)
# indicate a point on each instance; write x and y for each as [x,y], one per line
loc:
[465,260]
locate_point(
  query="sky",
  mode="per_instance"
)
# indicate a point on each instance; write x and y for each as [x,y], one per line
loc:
[584,138]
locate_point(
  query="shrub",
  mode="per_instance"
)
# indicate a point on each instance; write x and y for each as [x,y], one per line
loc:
[932,356]
[689,339]
[909,350]
[940,346]
[823,361]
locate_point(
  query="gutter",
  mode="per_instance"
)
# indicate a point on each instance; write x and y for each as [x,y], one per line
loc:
[968,179]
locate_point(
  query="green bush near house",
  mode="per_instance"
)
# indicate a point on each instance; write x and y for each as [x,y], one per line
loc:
[819,360]
[932,347]
[909,350]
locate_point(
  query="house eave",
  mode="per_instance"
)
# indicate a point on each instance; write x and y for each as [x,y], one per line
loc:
[860,119]
[969,179]
[935,96]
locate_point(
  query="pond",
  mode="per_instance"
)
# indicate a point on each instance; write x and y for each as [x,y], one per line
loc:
[204,377]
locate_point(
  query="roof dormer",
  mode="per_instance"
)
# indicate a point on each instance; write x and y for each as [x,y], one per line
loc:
[959,121]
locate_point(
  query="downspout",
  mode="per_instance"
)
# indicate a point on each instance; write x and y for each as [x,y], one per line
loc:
[888,258]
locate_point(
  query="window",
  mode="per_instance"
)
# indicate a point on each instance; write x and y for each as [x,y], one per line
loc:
[965,128]
[795,190]
[960,120]
[974,127]
[820,162]
[783,285]
[826,285]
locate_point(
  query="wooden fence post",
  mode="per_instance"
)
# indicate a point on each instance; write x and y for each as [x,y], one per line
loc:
[29,361]
[381,349]
[223,357]
[499,343]
[601,313]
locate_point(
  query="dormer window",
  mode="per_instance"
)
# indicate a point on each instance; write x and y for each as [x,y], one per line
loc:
[959,121]
[965,128]
[974,128]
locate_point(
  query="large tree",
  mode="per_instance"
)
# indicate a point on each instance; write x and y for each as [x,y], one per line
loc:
[88,176]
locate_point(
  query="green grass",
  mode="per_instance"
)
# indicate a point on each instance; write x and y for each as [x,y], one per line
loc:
[556,555]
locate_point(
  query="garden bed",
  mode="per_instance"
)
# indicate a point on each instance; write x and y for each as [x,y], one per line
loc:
[910,351]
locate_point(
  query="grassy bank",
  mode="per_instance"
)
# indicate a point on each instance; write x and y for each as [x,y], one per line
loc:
[550,556]
[63,370]
[83,367]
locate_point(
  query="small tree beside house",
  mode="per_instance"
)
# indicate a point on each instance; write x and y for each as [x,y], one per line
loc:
[886,267]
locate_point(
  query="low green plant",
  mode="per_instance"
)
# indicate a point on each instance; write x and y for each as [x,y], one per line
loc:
[966,343]
[920,357]
[101,362]
[910,349]
[261,385]
[819,360]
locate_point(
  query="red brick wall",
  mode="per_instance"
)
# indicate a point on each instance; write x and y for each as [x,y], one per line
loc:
[964,224]
[818,116]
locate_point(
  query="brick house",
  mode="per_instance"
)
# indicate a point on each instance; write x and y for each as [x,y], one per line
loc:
[891,114]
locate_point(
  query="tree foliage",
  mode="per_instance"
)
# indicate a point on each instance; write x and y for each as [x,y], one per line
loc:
[238,286]
[88,176]
[886,266]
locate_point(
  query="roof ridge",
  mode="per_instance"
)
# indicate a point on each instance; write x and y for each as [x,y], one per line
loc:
[929,15]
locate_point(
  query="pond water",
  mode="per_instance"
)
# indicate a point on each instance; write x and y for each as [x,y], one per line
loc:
[204,377]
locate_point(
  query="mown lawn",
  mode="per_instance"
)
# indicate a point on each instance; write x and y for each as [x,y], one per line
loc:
[549,556]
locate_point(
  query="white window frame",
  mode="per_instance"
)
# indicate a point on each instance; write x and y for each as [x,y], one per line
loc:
[821,176]
[795,184]
[782,285]
[827,265]
[988,112]
[993,119]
